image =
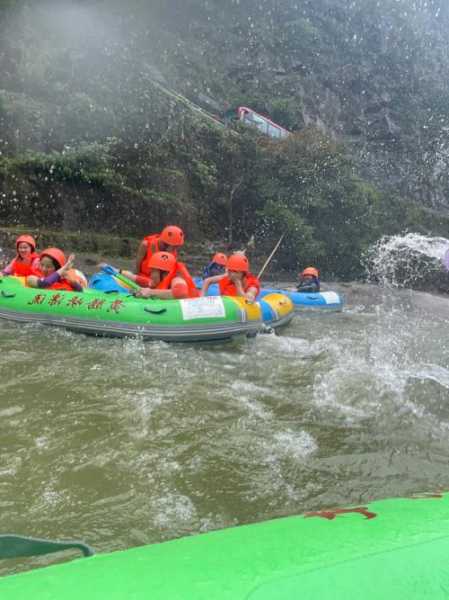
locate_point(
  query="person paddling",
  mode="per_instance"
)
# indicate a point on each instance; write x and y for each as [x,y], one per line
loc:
[237,281]
[57,273]
[26,260]
[167,279]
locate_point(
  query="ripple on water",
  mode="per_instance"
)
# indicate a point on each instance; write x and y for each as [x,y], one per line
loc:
[122,442]
[295,445]
[11,411]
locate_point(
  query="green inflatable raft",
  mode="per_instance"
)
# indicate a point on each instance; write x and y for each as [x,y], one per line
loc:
[99,313]
[394,549]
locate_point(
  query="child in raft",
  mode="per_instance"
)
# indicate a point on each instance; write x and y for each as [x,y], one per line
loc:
[170,239]
[26,260]
[217,265]
[309,281]
[167,279]
[237,281]
[57,273]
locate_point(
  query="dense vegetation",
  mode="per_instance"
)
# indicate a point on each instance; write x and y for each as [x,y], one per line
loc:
[93,137]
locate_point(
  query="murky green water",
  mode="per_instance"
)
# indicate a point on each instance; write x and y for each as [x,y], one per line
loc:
[121,443]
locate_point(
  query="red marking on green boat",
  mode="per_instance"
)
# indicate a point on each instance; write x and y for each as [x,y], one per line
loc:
[330,514]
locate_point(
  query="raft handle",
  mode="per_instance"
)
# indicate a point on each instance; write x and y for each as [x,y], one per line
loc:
[14,546]
[158,311]
[8,294]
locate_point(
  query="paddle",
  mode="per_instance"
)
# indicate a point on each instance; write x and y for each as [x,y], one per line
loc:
[132,284]
[109,270]
[267,262]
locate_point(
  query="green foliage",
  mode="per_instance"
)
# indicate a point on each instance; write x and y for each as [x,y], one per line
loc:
[309,183]
[88,164]
[94,131]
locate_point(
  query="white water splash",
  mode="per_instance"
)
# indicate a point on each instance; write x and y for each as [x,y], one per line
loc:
[399,259]
[435,373]
[296,445]
[171,508]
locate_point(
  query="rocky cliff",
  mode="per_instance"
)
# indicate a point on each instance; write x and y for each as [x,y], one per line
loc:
[105,119]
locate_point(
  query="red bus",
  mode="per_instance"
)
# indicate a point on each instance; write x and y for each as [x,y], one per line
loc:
[263,124]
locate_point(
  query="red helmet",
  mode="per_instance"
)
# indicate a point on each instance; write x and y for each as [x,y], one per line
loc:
[220,259]
[238,262]
[56,254]
[164,261]
[26,239]
[311,272]
[172,235]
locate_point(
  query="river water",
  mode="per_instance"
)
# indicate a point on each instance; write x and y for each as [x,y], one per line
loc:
[121,443]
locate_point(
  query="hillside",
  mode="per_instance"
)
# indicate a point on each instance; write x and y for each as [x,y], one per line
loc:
[97,131]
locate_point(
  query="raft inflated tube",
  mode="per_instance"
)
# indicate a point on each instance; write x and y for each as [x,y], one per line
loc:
[99,313]
[109,279]
[277,310]
[326,301]
[383,550]
[331,301]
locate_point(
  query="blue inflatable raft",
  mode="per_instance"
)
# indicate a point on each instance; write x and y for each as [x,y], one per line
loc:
[302,301]
[328,301]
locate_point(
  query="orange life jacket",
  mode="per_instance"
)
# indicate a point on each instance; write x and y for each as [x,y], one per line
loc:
[62,284]
[152,242]
[22,268]
[227,287]
[180,270]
